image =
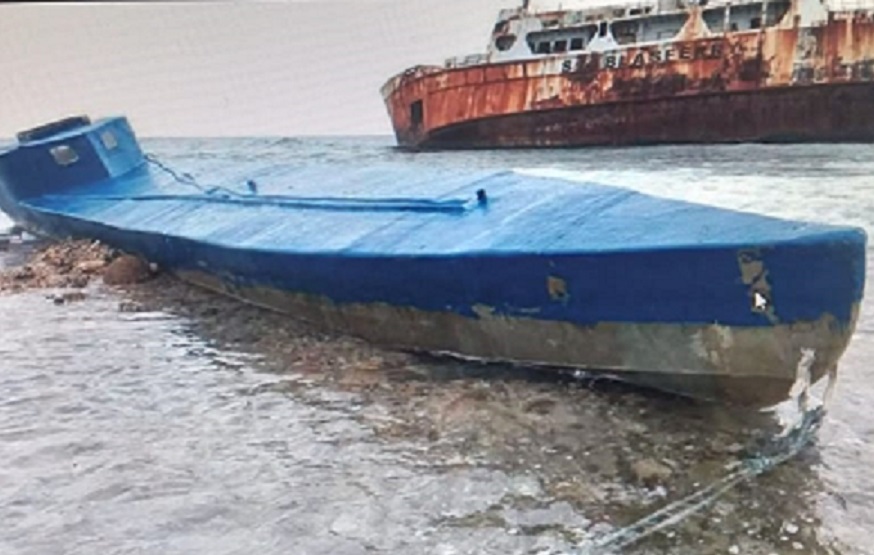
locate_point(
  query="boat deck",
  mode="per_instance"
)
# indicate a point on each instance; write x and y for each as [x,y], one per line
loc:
[370,211]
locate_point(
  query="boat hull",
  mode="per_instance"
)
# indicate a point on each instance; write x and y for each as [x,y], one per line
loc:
[741,365]
[502,267]
[816,113]
[753,365]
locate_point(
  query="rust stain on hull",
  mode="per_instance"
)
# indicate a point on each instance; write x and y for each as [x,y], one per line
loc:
[782,83]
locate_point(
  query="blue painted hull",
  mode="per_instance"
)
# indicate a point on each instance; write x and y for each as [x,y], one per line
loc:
[490,265]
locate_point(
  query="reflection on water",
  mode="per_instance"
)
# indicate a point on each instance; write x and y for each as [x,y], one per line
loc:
[201,425]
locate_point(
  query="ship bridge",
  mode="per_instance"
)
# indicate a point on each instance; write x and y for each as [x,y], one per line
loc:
[542,28]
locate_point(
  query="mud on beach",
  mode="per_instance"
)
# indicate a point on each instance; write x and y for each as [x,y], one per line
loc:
[580,457]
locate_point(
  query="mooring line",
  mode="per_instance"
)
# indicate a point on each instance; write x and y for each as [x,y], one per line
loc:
[451,205]
[783,447]
[187,178]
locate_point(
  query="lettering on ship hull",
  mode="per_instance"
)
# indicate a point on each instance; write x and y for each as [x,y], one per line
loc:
[643,57]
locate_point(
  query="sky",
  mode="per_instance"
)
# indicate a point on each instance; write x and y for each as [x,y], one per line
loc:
[226,68]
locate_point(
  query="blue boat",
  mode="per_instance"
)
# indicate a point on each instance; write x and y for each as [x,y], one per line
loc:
[488,265]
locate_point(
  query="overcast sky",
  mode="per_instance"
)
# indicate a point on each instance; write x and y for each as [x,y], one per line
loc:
[216,69]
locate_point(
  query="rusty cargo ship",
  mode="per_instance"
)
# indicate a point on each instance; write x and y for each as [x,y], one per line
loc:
[665,71]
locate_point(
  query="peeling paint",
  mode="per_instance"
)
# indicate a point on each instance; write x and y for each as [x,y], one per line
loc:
[726,340]
[755,275]
[557,288]
[483,311]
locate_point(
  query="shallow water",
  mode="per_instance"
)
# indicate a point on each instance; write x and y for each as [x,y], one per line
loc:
[200,425]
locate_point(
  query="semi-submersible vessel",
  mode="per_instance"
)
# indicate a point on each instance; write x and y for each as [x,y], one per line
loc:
[492,265]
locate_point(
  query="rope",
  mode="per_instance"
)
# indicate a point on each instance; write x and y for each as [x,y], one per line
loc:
[187,178]
[325,203]
[782,448]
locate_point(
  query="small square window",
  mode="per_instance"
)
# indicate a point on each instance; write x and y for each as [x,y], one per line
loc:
[64,155]
[108,139]
[577,43]
[560,46]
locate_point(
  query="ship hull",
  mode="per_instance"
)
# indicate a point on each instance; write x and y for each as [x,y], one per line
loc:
[816,113]
[496,266]
[661,356]
[746,365]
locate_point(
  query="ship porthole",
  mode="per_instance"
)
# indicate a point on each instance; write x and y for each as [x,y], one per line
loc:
[505,42]
[64,155]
